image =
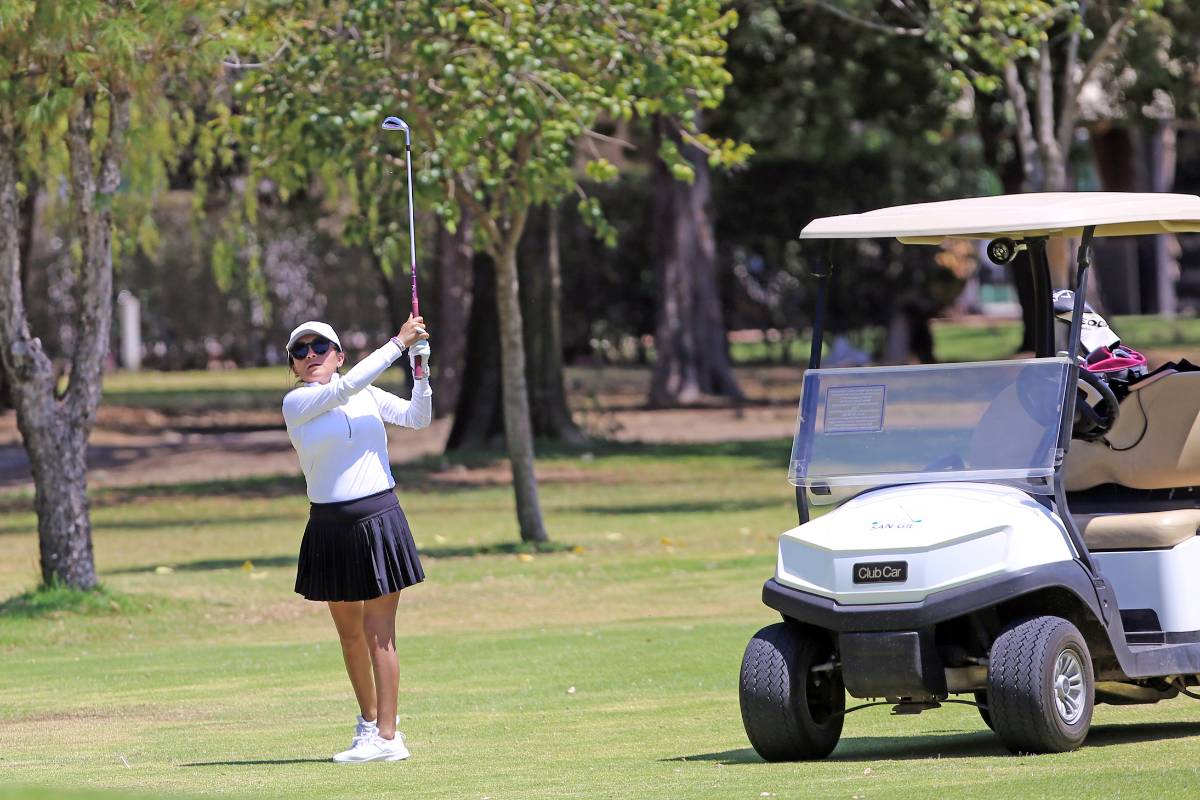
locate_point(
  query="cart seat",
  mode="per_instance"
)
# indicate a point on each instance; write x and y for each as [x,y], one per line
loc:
[1155,530]
[1154,445]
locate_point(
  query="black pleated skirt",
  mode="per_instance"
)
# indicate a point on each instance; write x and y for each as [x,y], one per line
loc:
[357,550]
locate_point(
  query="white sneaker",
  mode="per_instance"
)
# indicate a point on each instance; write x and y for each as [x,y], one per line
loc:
[373,747]
[365,726]
[362,728]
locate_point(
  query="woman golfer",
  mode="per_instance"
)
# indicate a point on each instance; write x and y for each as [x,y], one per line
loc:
[357,553]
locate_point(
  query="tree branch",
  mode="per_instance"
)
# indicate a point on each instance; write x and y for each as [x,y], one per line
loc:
[894,30]
[478,211]
[610,139]
[21,353]
[907,9]
[1025,137]
[109,178]
[237,63]
[1070,112]
[1072,59]
[91,194]
[1052,154]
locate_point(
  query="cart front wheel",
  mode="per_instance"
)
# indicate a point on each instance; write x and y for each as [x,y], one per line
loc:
[1041,688]
[790,711]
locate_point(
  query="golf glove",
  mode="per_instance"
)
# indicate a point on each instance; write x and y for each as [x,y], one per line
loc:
[420,349]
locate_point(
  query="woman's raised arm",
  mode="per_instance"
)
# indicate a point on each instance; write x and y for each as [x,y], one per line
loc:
[305,403]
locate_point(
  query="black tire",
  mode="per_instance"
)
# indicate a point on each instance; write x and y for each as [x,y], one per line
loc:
[1030,663]
[984,714]
[790,712]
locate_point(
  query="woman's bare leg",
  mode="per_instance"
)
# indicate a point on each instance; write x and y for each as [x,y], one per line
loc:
[348,618]
[379,626]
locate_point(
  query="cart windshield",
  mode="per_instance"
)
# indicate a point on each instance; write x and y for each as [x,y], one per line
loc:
[987,421]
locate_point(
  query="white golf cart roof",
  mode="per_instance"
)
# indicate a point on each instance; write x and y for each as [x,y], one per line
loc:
[1018,215]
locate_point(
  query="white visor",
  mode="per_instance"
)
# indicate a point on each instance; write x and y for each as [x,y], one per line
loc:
[316,328]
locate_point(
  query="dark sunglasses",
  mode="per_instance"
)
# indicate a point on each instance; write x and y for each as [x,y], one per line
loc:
[318,346]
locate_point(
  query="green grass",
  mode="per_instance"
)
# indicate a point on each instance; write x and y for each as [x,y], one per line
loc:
[974,341]
[607,669]
[205,390]
[56,598]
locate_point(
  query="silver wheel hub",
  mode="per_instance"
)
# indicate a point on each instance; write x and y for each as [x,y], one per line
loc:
[1069,687]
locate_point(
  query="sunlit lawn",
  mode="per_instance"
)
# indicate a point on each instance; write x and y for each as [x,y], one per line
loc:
[605,668]
[608,669]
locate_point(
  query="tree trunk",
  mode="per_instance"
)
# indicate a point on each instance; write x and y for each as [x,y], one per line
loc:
[1166,245]
[27,216]
[692,354]
[396,289]
[54,429]
[515,392]
[993,131]
[1117,153]
[57,454]
[541,287]
[455,291]
[478,421]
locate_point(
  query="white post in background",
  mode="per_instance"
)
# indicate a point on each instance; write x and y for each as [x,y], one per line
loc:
[129,308]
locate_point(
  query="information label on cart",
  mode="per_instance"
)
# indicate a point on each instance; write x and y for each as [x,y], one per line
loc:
[854,409]
[881,572]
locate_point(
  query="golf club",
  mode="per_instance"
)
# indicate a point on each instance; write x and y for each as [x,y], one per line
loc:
[397,124]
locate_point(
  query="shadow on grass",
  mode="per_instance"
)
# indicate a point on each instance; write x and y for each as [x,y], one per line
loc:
[959,744]
[745,755]
[161,524]
[770,451]
[188,522]
[500,549]
[209,565]
[153,524]
[1105,735]
[262,487]
[863,748]
[430,473]
[266,487]
[683,507]
[264,763]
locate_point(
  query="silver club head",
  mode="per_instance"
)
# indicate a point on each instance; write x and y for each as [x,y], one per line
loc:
[397,124]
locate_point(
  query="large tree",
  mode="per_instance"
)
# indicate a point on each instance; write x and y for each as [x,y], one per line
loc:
[83,83]
[1039,56]
[842,119]
[499,95]
[691,350]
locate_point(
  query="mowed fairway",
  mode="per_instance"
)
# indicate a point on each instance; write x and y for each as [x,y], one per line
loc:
[605,669]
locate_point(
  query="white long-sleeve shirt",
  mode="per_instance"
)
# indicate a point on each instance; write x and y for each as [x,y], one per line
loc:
[337,428]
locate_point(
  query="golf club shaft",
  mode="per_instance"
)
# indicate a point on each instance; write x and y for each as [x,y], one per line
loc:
[397,124]
[418,366]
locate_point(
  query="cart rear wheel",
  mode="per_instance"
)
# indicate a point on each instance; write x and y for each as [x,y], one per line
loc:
[1041,688]
[790,712]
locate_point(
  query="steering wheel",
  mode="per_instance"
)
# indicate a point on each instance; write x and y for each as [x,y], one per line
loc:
[1092,422]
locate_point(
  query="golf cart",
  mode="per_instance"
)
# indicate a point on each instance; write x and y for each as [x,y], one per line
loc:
[1008,532]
